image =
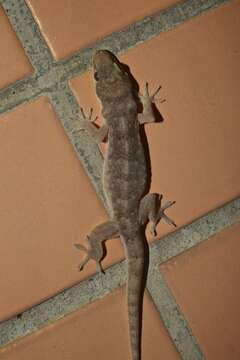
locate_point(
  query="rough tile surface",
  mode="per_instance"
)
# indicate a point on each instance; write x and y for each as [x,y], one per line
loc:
[205,281]
[68,25]
[14,65]
[101,329]
[47,205]
[47,202]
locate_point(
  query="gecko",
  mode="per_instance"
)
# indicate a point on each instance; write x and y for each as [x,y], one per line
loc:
[124,180]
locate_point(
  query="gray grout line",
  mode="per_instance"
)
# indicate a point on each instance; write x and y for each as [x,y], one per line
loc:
[118,42]
[67,109]
[87,150]
[194,233]
[51,79]
[29,34]
[100,285]
[62,304]
[172,317]
[48,81]
[141,31]
[173,245]
[17,94]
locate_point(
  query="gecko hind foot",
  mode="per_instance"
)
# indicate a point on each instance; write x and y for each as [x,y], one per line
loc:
[87,258]
[152,210]
[90,255]
[161,211]
[95,249]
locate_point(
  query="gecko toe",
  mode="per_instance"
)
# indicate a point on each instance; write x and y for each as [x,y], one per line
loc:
[153,226]
[162,215]
[80,247]
[99,268]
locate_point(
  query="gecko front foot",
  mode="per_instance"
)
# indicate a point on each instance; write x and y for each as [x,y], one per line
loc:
[86,121]
[146,97]
[147,100]
[89,117]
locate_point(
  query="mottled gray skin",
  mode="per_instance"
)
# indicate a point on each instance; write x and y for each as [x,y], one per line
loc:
[124,180]
[124,176]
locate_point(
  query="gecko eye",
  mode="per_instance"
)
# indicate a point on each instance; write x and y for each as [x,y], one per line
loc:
[96,76]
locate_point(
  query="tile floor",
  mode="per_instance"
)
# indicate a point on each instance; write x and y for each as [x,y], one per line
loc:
[48,203]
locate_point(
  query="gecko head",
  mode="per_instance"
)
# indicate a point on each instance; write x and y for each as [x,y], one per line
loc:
[112,81]
[105,65]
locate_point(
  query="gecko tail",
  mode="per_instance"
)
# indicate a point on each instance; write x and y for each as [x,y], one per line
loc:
[135,289]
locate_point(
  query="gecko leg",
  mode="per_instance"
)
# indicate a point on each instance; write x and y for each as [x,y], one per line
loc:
[98,134]
[152,210]
[147,100]
[94,250]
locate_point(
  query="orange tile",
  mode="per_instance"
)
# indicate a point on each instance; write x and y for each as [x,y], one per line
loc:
[47,205]
[69,25]
[205,283]
[100,328]
[195,151]
[14,64]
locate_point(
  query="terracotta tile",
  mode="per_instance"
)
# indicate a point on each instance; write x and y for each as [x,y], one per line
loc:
[205,283]
[14,64]
[195,151]
[100,328]
[47,205]
[69,25]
